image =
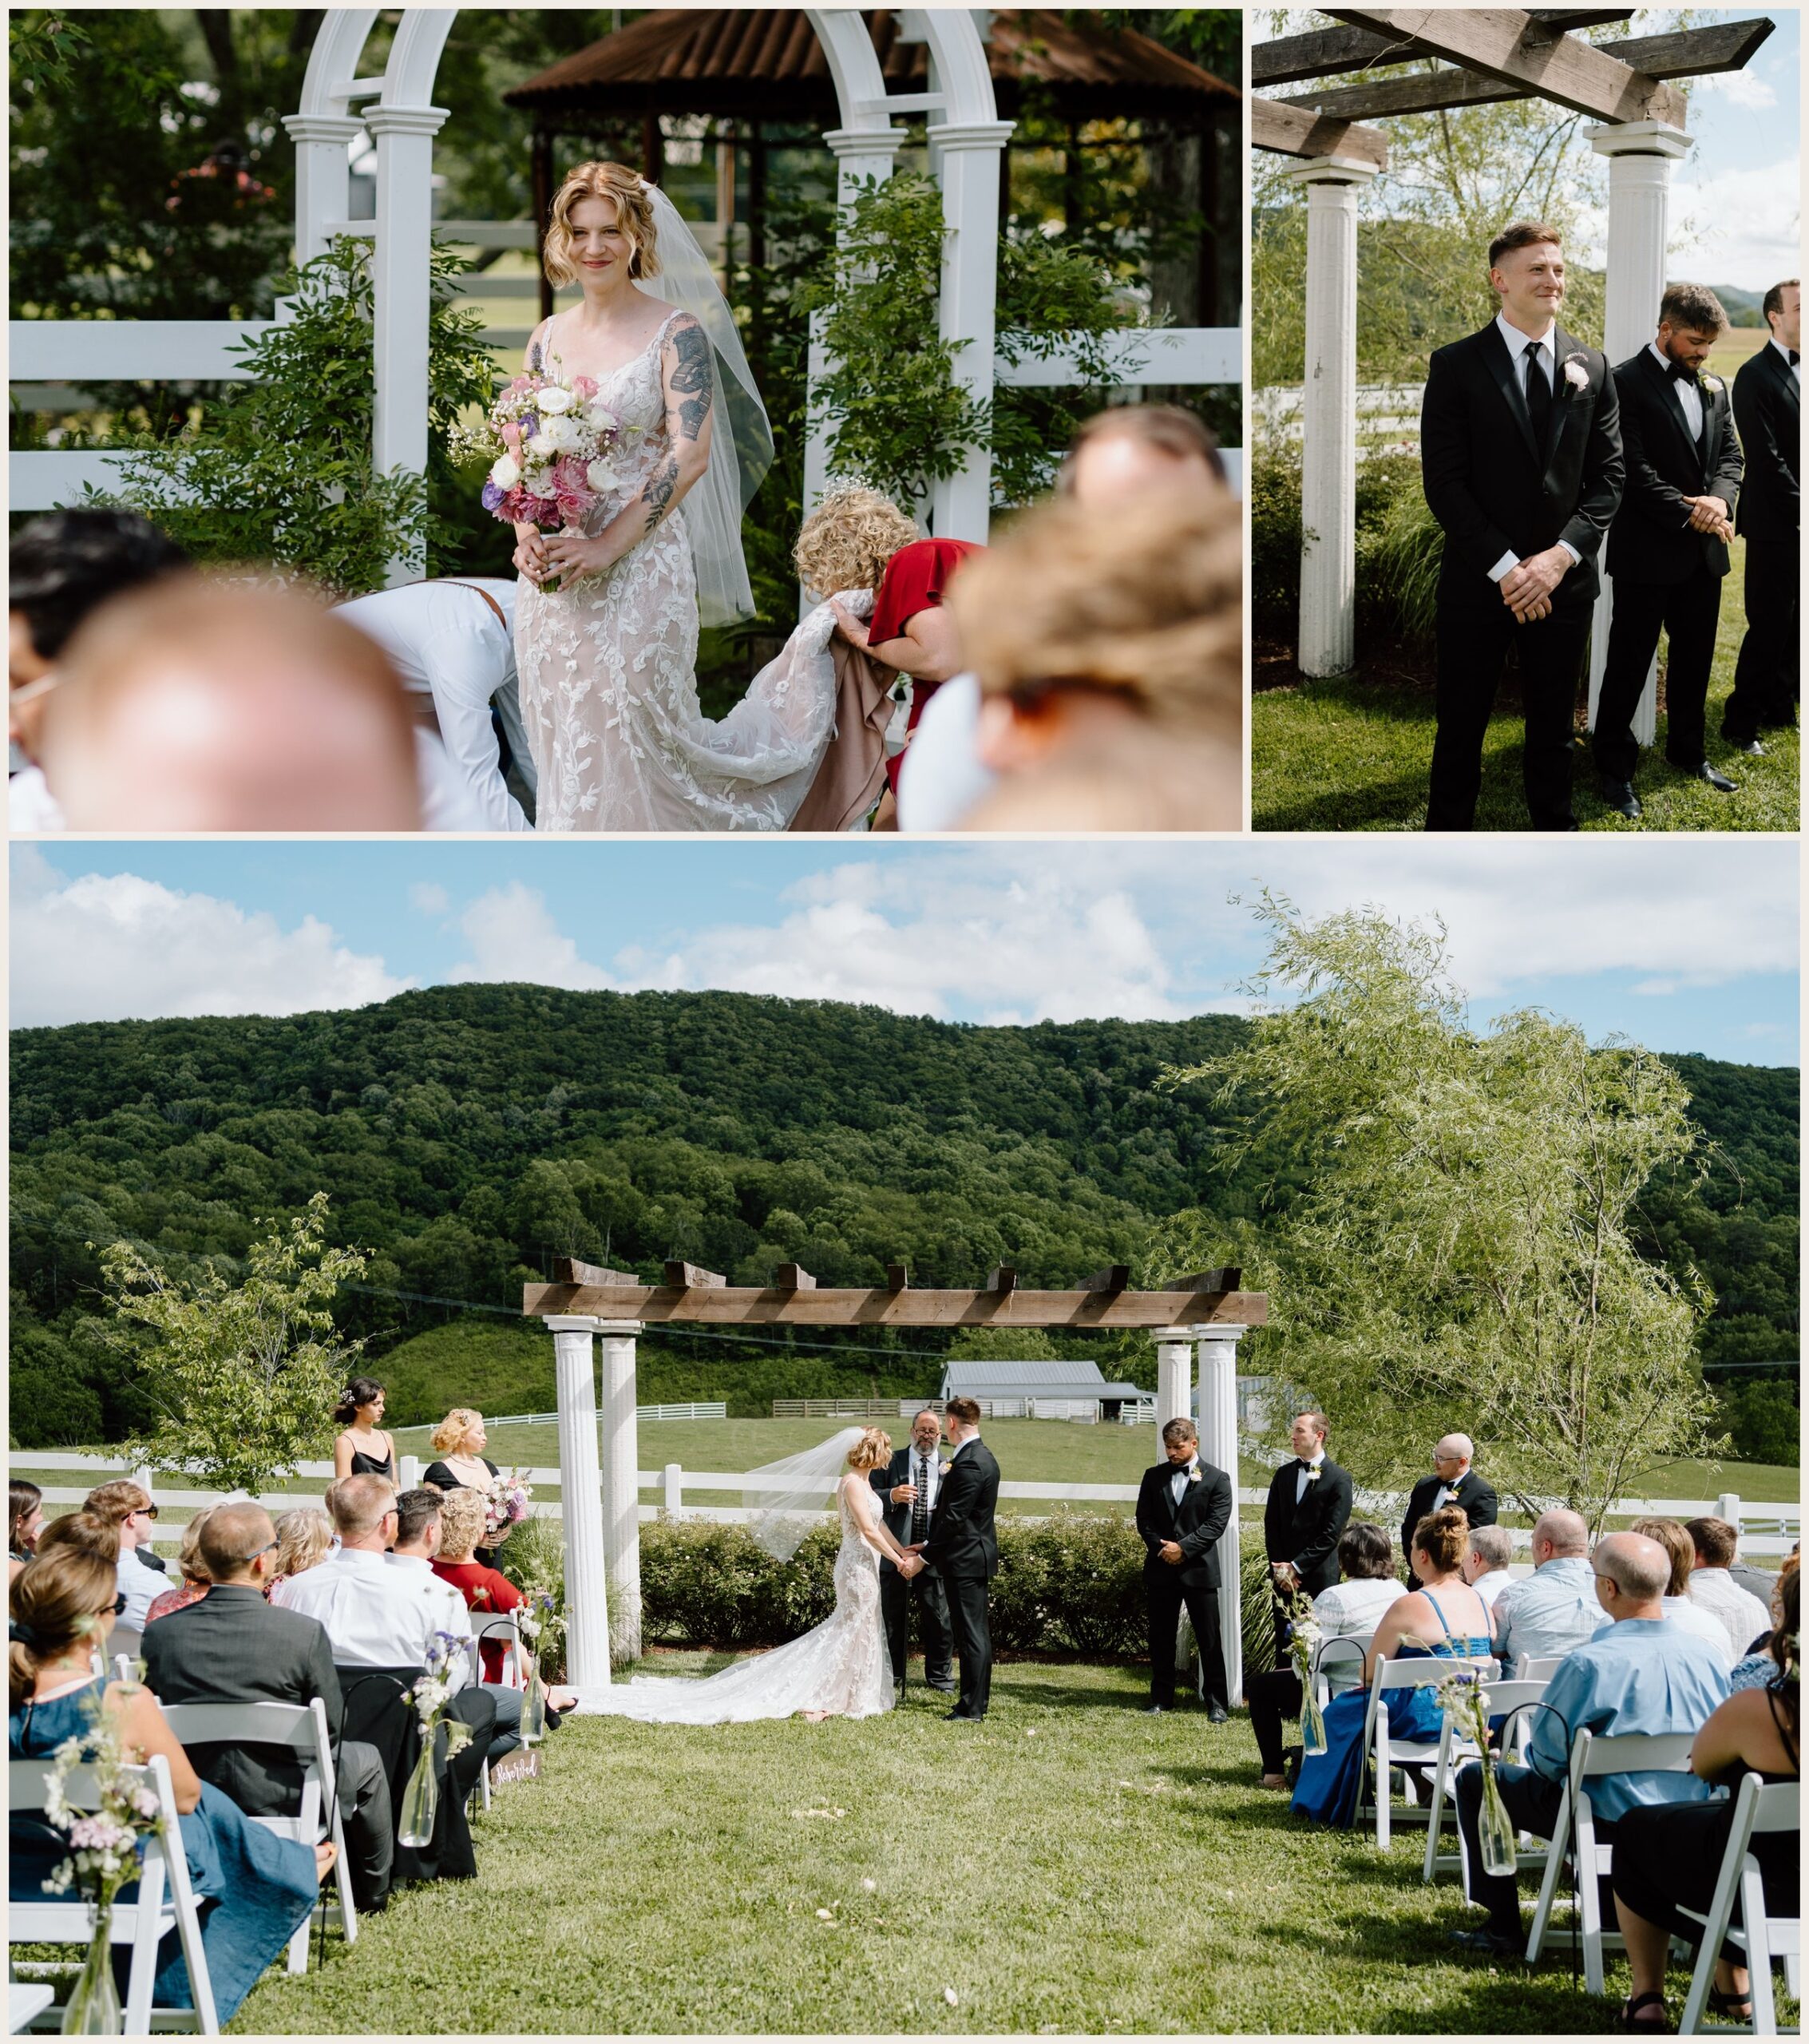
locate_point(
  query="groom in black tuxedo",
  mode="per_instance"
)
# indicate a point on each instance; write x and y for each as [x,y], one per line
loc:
[1309,1504]
[908,1488]
[1182,1509]
[1520,452]
[963,1550]
[1767,392]
[1668,548]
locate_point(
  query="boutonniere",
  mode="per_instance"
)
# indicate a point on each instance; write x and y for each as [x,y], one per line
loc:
[1314,1472]
[1576,371]
[1712,385]
[1194,1475]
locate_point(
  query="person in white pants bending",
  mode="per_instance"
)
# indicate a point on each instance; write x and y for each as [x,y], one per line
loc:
[454,638]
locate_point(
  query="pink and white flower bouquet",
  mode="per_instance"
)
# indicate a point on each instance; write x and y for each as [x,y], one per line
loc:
[552,445]
[505,1505]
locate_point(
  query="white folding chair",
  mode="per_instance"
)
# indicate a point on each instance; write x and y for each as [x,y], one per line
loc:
[496,1626]
[1758,1807]
[1541,1668]
[1383,1751]
[1512,1700]
[1342,1656]
[301,1727]
[164,1900]
[1574,1835]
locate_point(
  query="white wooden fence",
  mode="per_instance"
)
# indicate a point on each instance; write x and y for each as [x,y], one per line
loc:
[1388,415]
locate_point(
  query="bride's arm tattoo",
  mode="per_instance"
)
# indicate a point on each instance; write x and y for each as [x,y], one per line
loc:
[657,492]
[691,379]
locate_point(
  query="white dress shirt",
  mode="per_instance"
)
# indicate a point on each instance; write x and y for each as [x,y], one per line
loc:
[1520,348]
[1738,1612]
[1489,1585]
[380,1611]
[1300,1476]
[1178,1483]
[1687,1613]
[926,1471]
[1796,369]
[143,1585]
[1688,394]
[1352,1609]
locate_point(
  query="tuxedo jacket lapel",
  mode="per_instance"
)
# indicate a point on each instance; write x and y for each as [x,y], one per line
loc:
[1781,377]
[1500,366]
[1674,406]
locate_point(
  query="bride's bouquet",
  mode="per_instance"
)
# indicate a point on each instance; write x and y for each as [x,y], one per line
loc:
[552,444]
[505,1505]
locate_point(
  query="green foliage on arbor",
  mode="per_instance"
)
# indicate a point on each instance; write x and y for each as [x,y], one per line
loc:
[1466,1242]
[242,1375]
[280,470]
[468,1135]
[1399,546]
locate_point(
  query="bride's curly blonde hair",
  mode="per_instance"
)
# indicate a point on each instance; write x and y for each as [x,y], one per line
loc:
[873,1447]
[628,192]
[846,541]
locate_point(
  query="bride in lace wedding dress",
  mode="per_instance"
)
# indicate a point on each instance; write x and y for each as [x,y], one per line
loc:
[607,659]
[840,1669]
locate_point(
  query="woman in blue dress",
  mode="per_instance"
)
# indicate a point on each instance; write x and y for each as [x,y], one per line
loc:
[252,1889]
[1445,1619]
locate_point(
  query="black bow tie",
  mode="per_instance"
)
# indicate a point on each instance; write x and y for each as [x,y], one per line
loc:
[1793,356]
[1680,372]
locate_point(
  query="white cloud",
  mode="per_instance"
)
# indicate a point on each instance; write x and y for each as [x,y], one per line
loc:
[428,899]
[1745,89]
[512,936]
[1737,225]
[103,948]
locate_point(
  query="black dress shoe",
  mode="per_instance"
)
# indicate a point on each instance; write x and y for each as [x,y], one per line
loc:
[1157,1709]
[961,1717]
[1497,1944]
[1217,1714]
[1619,796]
[1717,781]
[1750,746]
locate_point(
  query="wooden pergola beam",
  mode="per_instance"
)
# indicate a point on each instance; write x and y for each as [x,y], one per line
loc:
[1291,131]
[1113,1279]
[569,1270]
[688,1277]
[1686,53]
[719,1305]
[1322,52]
[1503,42]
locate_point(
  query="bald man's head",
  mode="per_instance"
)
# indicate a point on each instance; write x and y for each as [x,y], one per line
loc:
[1558,1535]
[1639,1569]
[197,706]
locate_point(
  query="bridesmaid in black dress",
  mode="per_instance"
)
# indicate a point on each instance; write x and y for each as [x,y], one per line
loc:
[361,1450]
[463,1466]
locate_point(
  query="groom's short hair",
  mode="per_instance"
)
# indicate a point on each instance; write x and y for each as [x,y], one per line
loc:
[1180,1430]
[966,1410]
[1692,306]
[1521,234]
[1773,305]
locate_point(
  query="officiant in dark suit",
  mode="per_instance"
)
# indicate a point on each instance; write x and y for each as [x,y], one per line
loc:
[1520,455]
[1182,1510]
[963,1548]
[1309,1504]
[1453,1481]
[908,1488]
[1767,409]
[1668,547]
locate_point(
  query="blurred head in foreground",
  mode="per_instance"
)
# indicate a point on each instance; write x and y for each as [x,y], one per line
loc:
[1109,650]
[60,569]
[198,706]
[1120,455]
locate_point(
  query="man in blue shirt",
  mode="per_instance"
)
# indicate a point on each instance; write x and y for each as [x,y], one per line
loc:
[1645,1673]
[1555,1608]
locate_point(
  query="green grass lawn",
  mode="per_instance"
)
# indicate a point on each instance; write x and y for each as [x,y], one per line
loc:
[1070,1866]
[1353,754]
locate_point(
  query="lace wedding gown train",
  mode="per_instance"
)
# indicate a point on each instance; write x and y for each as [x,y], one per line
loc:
[608,673]
[841,1667]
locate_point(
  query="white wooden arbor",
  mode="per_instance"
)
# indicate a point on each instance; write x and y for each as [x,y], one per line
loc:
[1497,54]
[1207,1314]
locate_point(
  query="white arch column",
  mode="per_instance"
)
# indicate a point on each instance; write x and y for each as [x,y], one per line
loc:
[967,155]
[586,1603]
[1639,155]
[621,1489]
[1218,1445]
[1328,627]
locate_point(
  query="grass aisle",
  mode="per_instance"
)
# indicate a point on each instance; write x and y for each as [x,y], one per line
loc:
[1070,1865]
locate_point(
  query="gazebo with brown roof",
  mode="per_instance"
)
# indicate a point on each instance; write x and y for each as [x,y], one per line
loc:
[760,70]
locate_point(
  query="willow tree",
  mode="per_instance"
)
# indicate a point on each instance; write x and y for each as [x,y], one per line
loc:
[1460,1257]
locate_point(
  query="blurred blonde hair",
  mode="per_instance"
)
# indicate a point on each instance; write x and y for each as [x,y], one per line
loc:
[455,1429]
[634,215]
[873,1447]
[846,541]
[188,1553]
[302,1538]
[461,1525]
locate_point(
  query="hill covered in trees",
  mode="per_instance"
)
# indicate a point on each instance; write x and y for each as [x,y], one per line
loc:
[467,1135]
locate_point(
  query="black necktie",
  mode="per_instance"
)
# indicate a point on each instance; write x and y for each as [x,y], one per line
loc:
[920,1504]
[1538,394]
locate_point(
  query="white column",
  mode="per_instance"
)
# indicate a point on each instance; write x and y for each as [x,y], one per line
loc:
[1639,155]
[967,155]
[621,1489]
[1218,1445]
[586,1603]
[1328,423]
[1174,1400]
[404,135]
[322,176]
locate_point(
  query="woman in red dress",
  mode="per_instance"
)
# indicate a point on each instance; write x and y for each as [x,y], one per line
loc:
[485,1589]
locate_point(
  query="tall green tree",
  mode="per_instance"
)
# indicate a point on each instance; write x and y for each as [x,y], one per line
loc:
[1462,1254]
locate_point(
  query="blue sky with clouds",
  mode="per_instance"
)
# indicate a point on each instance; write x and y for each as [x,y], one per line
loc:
[1683,944]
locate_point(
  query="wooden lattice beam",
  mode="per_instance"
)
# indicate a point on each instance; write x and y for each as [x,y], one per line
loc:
[1504,43]
[1322,52]
[718,1305]
[1291,131]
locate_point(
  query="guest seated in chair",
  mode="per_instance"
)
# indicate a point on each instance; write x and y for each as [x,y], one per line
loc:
[1555,1608]
[416,1543]
[190,1567]
[1350,1610]
[1644,1675]
[233,1647]
[304,1539]
[1668,1856]
[1680,1606]
[487,1591]
[254,1889]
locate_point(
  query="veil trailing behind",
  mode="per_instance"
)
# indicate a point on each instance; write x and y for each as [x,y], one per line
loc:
[842,1667]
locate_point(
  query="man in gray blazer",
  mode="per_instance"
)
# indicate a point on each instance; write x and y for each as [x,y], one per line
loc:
[232,1647]
[907,1488]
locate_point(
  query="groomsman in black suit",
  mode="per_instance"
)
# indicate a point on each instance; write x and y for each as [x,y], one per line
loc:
[1520,453]
[908,1488]
[1309,1505]
[1182,1509]
[1452,1481]
[1767,391]
[964,1550]
[1668,548]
